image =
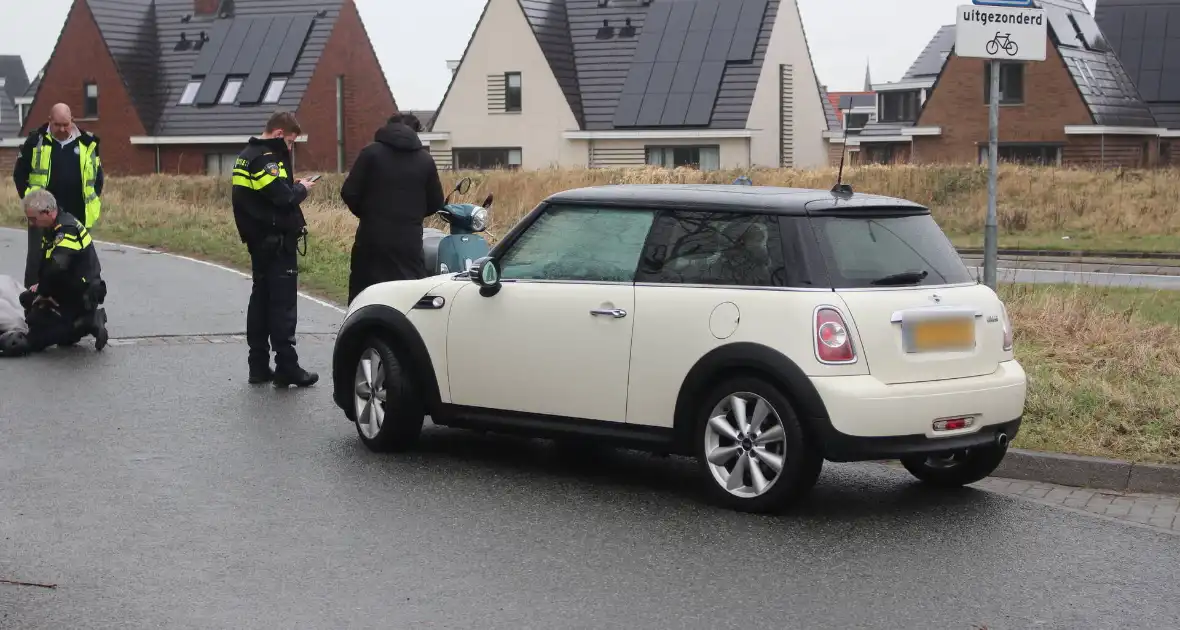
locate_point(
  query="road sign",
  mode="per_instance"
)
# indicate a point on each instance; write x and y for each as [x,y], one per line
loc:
[1001,32]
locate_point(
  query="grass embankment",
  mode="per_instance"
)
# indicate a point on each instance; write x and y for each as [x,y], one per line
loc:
[1104,363]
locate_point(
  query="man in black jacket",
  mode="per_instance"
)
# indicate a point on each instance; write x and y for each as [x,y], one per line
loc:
[63,159]
[266,200]
[392,187]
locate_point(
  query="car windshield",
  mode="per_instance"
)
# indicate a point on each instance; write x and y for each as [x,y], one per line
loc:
[873,251]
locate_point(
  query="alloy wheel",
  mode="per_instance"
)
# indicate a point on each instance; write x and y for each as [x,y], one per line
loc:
[745,445]
[369,397]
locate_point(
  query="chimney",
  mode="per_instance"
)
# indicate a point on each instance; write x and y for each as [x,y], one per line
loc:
[206,7]
[453,66]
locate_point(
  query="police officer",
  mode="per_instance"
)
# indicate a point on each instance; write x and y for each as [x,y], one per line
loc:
[63,305]
[270,222]
[60,157]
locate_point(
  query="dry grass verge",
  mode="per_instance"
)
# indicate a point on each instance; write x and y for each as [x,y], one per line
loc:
[1104,363]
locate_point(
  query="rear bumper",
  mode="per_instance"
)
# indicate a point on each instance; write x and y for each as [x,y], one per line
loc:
[868,419]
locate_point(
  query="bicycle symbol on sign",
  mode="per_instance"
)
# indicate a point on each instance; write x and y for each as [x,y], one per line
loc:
[1002,41]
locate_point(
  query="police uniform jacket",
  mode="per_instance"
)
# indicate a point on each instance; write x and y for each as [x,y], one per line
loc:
[265,196]
[69,262]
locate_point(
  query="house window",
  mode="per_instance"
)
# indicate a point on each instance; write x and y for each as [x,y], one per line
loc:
[703,158]
[857,121]
[900,106]
[220,164]
[274,90]
[485,159]
[190,92]
[230,92]
[90,102]
[876,154]
[512,92]
[1011,83]
[1027,154]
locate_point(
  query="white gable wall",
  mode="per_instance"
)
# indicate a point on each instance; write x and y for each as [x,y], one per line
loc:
[504,42]
[788,45]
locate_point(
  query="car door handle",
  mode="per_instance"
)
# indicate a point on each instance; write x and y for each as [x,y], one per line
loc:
[616,313]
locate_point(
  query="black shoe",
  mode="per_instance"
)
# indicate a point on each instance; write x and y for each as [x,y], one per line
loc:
[100,330]
[297,376]
[261,375]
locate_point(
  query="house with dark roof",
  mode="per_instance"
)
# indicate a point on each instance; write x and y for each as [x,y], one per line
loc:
[178,86]
[616,83]
[1145,34]
[14,81]
[1078,107]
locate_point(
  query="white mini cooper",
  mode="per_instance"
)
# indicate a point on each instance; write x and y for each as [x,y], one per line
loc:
[759,330]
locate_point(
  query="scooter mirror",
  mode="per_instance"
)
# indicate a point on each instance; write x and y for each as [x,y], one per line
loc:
[463,186]
[487,203]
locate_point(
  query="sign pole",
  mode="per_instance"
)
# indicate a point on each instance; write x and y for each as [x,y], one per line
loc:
[989,226]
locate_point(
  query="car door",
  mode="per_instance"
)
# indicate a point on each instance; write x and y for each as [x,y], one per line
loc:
[556,338]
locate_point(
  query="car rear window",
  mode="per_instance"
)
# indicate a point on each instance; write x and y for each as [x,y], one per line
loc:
[887,251]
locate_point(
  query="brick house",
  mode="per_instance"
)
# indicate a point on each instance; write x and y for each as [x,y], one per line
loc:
[1140,33]
[1078,107]
[14,82]
[178,86]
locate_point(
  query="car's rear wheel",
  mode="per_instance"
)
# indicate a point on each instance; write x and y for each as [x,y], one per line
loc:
[753,452]
[956,469]
[388,410]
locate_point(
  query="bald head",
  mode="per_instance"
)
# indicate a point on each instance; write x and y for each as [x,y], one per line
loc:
[61,121]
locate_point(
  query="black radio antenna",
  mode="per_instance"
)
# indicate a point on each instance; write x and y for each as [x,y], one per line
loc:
[841,188]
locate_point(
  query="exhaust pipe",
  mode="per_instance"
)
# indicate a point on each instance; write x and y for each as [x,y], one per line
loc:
[1001,439]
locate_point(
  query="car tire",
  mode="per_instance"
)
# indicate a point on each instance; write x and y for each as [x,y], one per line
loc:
[721,446]
[387,409]
[959,468]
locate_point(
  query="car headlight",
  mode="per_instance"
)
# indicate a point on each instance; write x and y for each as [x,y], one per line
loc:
[479,219]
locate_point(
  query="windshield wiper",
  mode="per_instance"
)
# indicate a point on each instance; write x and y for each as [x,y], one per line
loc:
[906,277]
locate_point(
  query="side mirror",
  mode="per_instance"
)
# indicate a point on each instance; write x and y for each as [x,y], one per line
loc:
[463,186]
[485,272]
[487,203]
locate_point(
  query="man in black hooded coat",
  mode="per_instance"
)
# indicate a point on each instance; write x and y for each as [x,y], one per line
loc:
[392,187]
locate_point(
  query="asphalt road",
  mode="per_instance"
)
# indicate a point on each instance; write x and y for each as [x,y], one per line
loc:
[157,489]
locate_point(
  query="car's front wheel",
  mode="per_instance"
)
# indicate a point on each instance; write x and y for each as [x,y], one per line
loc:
[753,452]
[956,469]
[388,410]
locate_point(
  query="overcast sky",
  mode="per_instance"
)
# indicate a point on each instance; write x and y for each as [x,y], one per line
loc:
[415,38]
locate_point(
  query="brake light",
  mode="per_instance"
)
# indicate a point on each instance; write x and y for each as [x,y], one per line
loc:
[833,343]
[1009,334]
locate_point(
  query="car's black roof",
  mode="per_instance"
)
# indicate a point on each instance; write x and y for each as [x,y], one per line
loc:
[731,198]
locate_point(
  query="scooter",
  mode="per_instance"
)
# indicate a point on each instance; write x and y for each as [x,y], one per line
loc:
[456,252]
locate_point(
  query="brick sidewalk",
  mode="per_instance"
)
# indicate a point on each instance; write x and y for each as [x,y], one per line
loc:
[1153,511]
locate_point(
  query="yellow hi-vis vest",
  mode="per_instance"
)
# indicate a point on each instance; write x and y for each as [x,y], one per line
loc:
[90,161]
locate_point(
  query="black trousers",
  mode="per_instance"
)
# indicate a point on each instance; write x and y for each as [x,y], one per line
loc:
[50,327]
[273,311]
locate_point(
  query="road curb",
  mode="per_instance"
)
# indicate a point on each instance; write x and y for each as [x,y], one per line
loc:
[1090,472]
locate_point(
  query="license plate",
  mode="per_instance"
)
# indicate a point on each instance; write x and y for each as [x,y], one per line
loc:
[941,335]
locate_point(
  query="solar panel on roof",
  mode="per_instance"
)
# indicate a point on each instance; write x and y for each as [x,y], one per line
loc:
[746,33]
[210,88]
[211,49]
[255,83]
[704,16]
[233,43]
[680,17]
[661,77]
[1062,27]
[637,78]
[1090,33]
[1152,57]
[289,53]
[248,51]
[686,77]
[652,110]
[676,109]
[627,110]
[718,47]
[694,46]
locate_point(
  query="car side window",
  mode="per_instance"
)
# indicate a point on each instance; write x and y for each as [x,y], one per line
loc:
[716,248]
[577,243]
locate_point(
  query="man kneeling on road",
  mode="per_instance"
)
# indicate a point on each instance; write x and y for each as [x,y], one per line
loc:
[63,306]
